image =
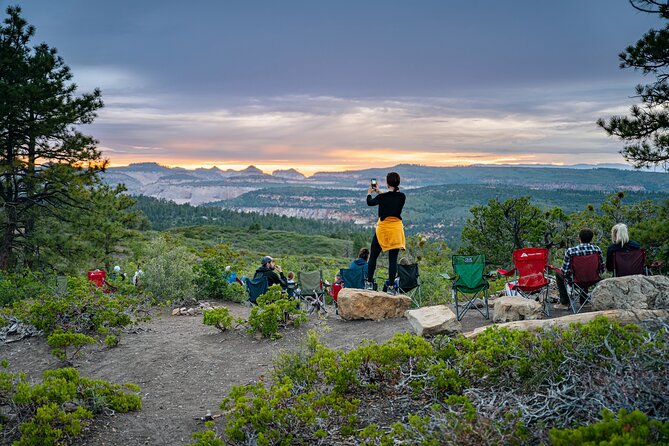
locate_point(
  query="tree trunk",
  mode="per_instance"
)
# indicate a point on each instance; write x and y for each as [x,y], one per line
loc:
[8,237]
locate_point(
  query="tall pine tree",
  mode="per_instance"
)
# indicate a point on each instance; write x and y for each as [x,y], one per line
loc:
[43,155]
[646,131]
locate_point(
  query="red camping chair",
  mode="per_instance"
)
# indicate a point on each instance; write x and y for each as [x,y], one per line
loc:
[584,274]
[99,278]
[531,267]
[629,263]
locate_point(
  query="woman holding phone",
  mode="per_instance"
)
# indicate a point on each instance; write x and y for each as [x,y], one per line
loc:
[389,234]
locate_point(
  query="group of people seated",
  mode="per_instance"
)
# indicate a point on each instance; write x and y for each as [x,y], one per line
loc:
[620,242]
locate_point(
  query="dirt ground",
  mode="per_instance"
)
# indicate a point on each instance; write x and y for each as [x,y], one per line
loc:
[185,368]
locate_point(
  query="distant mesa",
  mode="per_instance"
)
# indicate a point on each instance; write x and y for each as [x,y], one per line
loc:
[289,174]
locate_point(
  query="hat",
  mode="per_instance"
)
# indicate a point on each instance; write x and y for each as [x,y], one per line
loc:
[265,260]
[117,268]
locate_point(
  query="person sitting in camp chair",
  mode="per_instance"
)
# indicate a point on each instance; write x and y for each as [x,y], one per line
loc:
[269,269]
[563,275]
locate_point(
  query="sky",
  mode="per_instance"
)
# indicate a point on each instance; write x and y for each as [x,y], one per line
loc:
[348,84]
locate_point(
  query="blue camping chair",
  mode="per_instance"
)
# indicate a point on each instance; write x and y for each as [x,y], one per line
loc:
[352,278]
[256,288]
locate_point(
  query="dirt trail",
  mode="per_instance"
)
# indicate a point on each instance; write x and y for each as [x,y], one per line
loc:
[185,368]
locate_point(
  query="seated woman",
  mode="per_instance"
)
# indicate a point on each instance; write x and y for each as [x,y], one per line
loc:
[620,242]
[361,261]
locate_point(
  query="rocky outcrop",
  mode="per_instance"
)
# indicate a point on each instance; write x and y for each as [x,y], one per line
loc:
[632,293]
[433,320]
[623,316]
[516,308]
[363,304]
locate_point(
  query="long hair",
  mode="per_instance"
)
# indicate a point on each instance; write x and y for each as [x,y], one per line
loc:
[619,234]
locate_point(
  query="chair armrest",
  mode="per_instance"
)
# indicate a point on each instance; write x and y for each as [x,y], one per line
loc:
[554,269]
[505,272]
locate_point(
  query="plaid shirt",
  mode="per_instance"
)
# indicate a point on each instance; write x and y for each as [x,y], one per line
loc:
[581,250]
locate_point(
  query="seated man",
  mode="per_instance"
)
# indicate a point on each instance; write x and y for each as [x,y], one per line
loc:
[269,269]
[583,248]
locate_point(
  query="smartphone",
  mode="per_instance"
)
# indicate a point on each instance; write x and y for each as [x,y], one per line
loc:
[373,183]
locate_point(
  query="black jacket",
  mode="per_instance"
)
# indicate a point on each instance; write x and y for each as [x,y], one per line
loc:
[272,277]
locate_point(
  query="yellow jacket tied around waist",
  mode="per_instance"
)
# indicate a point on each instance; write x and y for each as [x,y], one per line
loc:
[390,234]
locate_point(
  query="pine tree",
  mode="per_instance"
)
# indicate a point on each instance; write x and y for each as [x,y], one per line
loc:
[646,131]
[42,154]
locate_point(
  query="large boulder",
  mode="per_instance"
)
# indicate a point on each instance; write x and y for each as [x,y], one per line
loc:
[364,304]
[437,319]
[516,308]
[632,293]
[623,316]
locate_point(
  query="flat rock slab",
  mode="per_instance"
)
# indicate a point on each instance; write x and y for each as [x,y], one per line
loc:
[632,293]
[355,304]
[433,320]
[516,308]
[623,316]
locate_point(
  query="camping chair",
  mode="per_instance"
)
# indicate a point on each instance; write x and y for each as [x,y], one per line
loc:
[531,267]
[311,290]
[470,282]
[629,263]
[348,278]
[99,278]
[409,284]
[584,274]
[256,288]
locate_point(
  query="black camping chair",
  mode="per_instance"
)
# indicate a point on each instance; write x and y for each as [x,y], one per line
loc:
[409,284]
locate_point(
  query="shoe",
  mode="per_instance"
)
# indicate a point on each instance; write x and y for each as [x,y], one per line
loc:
[561,306]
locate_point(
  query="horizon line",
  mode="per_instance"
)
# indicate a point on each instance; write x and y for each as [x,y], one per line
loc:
[272,170]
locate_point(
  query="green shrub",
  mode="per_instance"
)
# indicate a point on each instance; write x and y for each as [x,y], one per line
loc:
[83,308]
[502,387]
[234,292]
[168,271]
[16,287]
[208,437]
[55,411]
[628,429]
[60,342]
[210,278]
[274,310]
[51,425]
[220,318]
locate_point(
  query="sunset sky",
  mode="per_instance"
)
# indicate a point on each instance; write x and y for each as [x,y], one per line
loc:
[332,85]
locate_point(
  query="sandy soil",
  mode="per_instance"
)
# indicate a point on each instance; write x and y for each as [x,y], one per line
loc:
[185,368]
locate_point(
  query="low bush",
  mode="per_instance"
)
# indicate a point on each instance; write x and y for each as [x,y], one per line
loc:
[60,342]
[234,292]
[55,411]
[273,311]
[220,318]
[503,387]
[633,429]
[81,309]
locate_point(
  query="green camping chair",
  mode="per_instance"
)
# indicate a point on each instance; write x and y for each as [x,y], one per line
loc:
[469,282]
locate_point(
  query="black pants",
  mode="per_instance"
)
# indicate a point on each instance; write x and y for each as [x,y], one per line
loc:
[392,261]
[562,289]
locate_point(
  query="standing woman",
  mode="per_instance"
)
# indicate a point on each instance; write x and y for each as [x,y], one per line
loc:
[389,235]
